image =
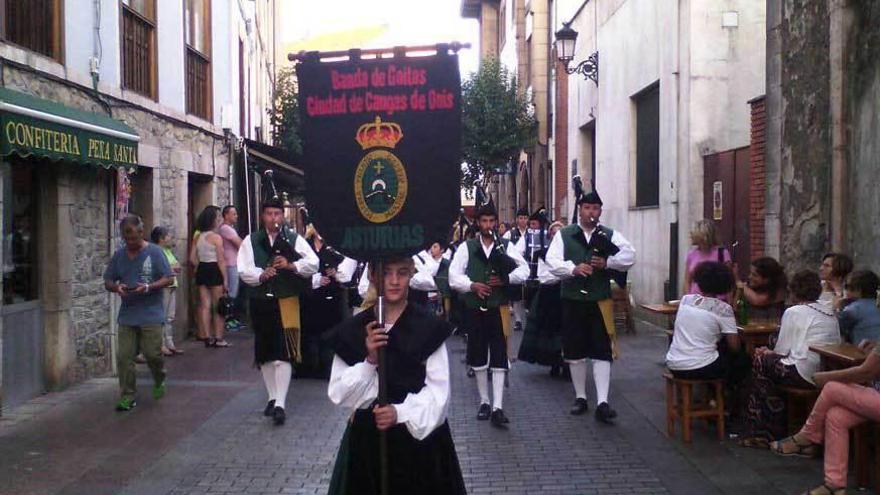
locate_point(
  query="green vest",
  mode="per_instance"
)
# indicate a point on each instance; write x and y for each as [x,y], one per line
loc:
[442,278]
[478,270]
[598,285]
[286,283]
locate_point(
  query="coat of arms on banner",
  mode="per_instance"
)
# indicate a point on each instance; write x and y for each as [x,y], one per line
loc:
[380,183]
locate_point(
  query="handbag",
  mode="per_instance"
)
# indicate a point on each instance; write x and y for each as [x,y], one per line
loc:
[226,306]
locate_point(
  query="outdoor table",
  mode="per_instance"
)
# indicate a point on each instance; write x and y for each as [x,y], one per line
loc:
[667,309]
[756,335]
[839,356]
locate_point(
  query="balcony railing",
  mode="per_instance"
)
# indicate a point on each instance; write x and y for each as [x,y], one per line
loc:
[137,53]
[198,84]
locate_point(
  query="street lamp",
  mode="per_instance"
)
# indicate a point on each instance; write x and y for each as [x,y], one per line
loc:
[565,43]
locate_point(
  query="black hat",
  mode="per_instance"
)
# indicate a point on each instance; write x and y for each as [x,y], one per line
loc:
[522,212]
[590,198]
[487,210]
[273,202]
[540,214]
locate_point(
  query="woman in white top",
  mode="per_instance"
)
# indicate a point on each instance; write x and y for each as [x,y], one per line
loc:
[791,363]
[207,256]
[701,321]
[833,272]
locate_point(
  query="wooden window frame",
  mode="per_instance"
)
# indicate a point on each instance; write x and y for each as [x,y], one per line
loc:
[154,54]
[57,29]
[502,25]
[206,57]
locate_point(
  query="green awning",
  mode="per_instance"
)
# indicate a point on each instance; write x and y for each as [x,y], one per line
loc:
[34,126]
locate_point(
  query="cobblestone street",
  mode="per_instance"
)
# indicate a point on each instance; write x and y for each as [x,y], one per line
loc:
[209,436]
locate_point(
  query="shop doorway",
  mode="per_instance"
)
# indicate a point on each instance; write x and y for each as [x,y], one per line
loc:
[21,312]
[199,195]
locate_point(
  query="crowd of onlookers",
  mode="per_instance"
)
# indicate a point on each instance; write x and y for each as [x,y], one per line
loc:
[830,305]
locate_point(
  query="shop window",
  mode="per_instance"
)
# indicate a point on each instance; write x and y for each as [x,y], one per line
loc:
[20,216]
[33,24]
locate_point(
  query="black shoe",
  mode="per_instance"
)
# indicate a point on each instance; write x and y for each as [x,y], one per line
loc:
[471,373]
[580,407]
[605,414]
[484,412]
[278,416]
[498,418]
[270,408]
[555,371]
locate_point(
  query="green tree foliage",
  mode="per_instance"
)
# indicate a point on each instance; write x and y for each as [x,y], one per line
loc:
[496,122]
[284,115]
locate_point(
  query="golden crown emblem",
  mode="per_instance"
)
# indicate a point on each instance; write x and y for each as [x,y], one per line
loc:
[379,134]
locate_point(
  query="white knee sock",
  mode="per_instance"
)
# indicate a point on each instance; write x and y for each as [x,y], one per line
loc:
[483,385]
[283,370]
[519,312]
[579,378]
[498,388]
[602,377]
[268,370]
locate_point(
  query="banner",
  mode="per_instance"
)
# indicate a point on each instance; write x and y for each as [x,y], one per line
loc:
[382,151]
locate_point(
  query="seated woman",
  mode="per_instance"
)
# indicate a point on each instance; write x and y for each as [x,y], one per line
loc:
[420,450]
[705,248]
[701,321]
[790,363]
[833,271]
[860,317]
[842,405]
[765,291]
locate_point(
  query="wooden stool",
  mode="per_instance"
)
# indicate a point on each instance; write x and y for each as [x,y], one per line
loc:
[622,310]
[680,405]
[798,404]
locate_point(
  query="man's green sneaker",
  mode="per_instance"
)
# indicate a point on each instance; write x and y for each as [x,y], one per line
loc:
[126,404]
[159,390]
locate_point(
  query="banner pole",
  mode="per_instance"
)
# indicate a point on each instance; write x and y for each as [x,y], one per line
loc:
[383,377]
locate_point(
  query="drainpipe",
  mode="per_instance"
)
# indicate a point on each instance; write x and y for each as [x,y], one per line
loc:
[841,20]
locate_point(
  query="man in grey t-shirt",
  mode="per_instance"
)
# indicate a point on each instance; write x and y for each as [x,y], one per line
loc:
[138,272]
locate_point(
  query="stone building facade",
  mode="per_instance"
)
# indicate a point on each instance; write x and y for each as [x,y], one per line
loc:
[823,89]
[59,326]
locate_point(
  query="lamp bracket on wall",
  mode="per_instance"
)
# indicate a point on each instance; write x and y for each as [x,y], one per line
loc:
[589,68]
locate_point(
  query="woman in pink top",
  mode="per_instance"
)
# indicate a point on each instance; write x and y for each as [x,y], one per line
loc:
[705,248]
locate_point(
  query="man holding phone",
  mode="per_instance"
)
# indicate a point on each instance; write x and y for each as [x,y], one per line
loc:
[138,272]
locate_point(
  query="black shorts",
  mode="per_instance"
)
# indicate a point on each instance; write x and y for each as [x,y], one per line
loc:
[208,274]
[486,346]
[583,332]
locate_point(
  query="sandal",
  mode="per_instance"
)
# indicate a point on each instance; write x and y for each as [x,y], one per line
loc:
[177,351]
[221,343]
[167,352]
[790,447]
[754,442]
[824,489]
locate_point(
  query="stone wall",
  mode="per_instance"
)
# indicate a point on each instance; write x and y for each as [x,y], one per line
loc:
[806,133]
[863,97]
[90,303]
[81,329]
